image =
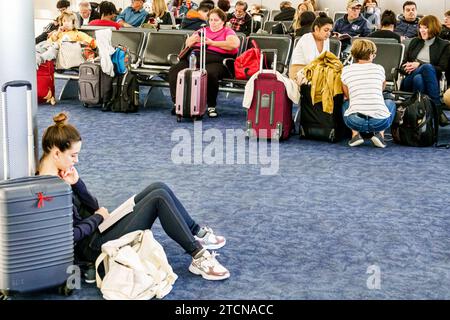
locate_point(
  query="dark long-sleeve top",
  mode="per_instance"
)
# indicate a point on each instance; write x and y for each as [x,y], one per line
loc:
[82,198]
[358,27]
[439,54]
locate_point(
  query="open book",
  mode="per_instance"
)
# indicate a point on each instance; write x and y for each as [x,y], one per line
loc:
[121,211]
[342,36]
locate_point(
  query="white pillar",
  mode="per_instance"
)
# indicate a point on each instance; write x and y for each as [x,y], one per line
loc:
[17,62]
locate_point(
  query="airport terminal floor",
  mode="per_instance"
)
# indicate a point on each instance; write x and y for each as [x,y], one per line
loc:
[321,228]
[303,219]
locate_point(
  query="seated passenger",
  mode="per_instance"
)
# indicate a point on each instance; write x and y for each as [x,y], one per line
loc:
[240,20]
[108,14]
[287,12]
[372,13]
[68,31]
[352,24]
[181,7]
[61,144]
[195,19]
[306,5]
[224,5]
[134,15]
[388,21]
[363,82]
[86,14]
[303,24]
[445,33]
[425,61]
[222,43]
[311,45]
[408,22]
[61,5]
[160,13]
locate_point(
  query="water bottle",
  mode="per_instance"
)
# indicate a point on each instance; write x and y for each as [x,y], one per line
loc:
[443,83]
[192,61]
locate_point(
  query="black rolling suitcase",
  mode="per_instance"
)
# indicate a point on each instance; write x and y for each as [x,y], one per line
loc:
[95,86]
[36,232]
[318,125]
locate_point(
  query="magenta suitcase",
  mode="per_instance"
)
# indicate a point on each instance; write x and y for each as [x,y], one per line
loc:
[192,88]
[270,114]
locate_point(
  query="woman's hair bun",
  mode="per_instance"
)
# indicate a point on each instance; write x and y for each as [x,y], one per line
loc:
[60,119]
[323,15]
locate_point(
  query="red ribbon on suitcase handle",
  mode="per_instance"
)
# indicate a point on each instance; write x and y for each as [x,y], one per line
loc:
[42,198]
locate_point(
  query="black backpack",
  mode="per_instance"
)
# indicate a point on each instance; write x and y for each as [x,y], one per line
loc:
[279,28]
[416,122]
[125,93]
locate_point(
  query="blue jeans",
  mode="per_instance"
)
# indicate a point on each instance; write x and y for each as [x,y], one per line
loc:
[423,80]
[361,123]
[155,201]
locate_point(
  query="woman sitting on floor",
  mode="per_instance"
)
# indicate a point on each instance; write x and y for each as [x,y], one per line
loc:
[363,83]
[61,144]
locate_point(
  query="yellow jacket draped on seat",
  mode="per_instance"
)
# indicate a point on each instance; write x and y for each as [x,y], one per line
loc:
[324,74]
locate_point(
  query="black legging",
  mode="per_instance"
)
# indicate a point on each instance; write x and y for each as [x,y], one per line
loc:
[156,201]
[214,67]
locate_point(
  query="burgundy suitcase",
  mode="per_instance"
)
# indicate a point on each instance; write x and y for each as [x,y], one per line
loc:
[270,114]
[46,82]
[191,90]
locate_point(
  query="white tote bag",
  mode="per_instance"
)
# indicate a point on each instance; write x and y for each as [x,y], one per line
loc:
[136,268]
[69,55]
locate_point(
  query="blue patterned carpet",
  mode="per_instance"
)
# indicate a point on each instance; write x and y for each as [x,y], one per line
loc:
[310,232]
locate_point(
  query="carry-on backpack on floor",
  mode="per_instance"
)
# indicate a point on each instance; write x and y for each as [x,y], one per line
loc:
[319,125]
[36,232]
[270,114]
[125,93]
[416,123]
[95,86]
[191,90]
[46,82]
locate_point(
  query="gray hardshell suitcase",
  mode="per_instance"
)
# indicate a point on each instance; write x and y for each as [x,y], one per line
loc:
[36,228]
[95,87]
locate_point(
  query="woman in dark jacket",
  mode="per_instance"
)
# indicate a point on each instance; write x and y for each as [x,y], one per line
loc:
[425,62]
[160,13]
[61,144]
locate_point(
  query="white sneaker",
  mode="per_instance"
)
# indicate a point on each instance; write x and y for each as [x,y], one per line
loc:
[208,267]
[209,240]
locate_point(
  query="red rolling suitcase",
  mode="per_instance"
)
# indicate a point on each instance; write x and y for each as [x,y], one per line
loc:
[270,114]
[46,82]
[191,90]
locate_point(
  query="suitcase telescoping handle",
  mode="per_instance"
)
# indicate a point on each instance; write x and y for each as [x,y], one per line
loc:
[275,53]
[202,32]
[17,83]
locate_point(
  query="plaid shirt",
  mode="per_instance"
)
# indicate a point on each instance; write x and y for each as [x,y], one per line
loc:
[242,24]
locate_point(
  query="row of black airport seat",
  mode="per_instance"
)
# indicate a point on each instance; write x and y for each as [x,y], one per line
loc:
[150,51]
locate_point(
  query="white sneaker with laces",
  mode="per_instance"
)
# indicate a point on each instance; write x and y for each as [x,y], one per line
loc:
[208,267]
[209,240]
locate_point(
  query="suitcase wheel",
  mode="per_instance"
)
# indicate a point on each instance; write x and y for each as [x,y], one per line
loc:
[278,134]
[85,105]
[64,290]
[248,132]
[4,295]
[178,118]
